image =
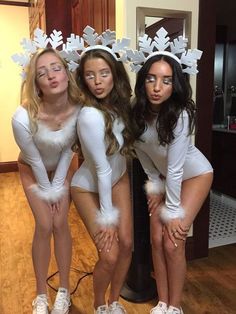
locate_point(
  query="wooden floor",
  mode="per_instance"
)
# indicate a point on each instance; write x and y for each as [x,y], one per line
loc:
[210,286]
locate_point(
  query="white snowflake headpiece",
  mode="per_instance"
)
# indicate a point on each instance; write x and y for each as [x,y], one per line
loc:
[73,48]
[150,47]
[40,41]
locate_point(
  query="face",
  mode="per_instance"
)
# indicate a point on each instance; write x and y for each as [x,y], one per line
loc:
[51,76]
[158,83]
[98,77]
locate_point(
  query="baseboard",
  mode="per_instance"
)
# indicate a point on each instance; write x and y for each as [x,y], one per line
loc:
[10,166]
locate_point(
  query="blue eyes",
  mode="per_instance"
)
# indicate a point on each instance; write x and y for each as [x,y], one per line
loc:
[165,80]
[54,68]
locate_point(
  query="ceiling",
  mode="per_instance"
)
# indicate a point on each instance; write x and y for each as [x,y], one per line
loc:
[25,1]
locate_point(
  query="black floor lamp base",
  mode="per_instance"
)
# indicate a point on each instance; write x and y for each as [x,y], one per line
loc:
[139,296]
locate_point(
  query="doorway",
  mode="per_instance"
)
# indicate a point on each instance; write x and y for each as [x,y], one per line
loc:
[222,226]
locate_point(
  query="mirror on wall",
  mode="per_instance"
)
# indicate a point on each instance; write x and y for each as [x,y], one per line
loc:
[177,23]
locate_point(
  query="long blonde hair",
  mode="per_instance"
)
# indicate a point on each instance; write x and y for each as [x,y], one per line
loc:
[30,93]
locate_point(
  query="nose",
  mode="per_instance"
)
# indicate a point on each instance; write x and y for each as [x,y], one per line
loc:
[50,74]
[157,85]
[97,79]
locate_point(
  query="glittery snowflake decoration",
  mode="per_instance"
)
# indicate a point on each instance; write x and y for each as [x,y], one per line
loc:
[41,40]
[74,46]
[149,47]
[91,40]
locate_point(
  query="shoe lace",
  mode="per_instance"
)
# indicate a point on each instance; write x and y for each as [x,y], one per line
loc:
[102,309]
[40,304]
[115,306]
[62,301]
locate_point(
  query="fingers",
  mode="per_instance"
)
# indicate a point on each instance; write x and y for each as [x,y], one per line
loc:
[154,202]
[104,239]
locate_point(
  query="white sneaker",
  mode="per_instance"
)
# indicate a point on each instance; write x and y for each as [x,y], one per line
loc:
[62,302]
[102,309]
[116,308]
[160,308]
[174,310]
[40,304]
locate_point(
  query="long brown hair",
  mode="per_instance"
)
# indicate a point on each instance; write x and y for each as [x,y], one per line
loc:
[116,104]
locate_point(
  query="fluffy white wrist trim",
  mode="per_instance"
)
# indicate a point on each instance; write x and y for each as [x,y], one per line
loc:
[52,195]
[167,214]
[155,187]
[108,218]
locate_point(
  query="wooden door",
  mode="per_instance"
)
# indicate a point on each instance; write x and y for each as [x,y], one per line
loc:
[100,14]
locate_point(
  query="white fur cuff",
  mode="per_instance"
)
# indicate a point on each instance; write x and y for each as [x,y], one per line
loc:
[167,214]
[155,187]
[108,218]
[52,195]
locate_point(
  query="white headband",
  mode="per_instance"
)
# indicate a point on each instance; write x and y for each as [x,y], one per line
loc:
[157,46]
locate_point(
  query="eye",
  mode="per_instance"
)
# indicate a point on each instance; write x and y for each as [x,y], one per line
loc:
[89,76]
[167,80]
[56,67]
[150,78]
[41,74]
[105,73]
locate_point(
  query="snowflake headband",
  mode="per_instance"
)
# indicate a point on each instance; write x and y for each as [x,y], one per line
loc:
[74,47]
[158,46]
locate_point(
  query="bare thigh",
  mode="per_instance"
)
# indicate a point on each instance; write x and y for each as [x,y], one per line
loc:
[193,194]
[121,197]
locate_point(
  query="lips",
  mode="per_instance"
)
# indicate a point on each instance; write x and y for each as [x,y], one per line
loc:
[99,91]
[54,84]
[156,97]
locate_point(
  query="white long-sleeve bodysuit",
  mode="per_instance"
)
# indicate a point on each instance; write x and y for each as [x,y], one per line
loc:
[178,161]
[99,172]
[44,151]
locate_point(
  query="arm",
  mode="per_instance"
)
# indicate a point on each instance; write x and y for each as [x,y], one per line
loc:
[91,131]
[176,153]
[154,184]
[24,139]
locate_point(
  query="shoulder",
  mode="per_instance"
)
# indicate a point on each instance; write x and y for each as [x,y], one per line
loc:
[91,116]
[21,115]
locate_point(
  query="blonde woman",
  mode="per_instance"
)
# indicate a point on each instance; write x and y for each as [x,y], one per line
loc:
[44,127]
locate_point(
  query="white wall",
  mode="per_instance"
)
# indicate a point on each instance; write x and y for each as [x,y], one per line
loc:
[13,27]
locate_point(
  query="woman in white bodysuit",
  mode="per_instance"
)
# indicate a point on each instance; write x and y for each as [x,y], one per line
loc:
[100,187]
[179,176]
[44,127]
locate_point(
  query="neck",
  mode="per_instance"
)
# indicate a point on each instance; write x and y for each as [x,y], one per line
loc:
[51,105]
[153,111]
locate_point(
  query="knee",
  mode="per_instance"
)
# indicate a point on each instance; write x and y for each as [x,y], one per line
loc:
[60,226]
[125,246]
[43,230]
[108,260]
[157,241]
[172,252]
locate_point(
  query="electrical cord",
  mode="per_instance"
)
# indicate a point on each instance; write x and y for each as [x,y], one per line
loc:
[85,274]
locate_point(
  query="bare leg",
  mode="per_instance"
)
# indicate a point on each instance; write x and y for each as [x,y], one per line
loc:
[194,192]
[121,199]
[87,204]
[61,232]
[43,229]
[158,256]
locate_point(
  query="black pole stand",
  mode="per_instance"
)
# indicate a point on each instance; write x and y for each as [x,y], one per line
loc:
[139,285]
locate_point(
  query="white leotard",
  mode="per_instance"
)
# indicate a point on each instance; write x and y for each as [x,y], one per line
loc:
[99,172]
[44,151]
[177,161]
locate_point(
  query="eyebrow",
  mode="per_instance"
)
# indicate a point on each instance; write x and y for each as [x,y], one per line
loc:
[53,63]
[159,75]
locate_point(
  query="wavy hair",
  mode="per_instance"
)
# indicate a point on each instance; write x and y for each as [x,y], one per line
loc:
[181,99]
[32,97]
[117,103]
